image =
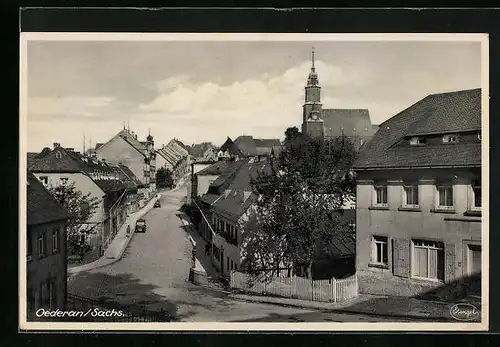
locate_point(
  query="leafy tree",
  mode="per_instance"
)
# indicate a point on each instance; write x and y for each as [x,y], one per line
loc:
[298,210]
[164,178]
[81,208]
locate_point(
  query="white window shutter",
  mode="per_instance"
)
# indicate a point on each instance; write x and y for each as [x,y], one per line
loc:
[401,256]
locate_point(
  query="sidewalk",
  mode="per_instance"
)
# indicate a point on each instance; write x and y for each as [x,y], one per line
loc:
[120,242]
[383,306]
[203,262]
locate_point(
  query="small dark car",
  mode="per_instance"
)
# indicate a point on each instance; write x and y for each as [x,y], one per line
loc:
[140,226]
[157,203]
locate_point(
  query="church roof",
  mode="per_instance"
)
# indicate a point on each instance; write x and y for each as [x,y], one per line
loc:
[347,122]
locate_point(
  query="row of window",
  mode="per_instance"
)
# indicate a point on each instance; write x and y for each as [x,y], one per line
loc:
[448,138]
[227,228]
[45,180]
[230,264]
[45,296]
[43,247]
[411,198]
[426,257]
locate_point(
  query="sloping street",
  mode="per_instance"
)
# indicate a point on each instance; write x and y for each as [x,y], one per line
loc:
[154,273]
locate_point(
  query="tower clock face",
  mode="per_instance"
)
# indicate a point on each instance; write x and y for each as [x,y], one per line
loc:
[314,116]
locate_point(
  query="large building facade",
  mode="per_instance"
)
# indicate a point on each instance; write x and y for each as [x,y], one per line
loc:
[418,220]
[330,123]
[139,156]
[45,250]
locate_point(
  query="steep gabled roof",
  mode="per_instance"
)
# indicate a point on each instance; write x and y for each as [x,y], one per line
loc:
[128,138]
[347,122]
[246,145]
[42,207]
[452,112]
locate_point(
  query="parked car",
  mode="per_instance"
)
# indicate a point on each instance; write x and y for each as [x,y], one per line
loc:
[157,203]
[140,226]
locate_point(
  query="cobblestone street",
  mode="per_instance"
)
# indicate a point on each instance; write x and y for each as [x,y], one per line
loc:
[154,273]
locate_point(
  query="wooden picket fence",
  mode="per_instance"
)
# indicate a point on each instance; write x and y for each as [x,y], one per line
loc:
[332,290]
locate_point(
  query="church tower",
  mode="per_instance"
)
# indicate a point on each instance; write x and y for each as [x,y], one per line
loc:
[312,113]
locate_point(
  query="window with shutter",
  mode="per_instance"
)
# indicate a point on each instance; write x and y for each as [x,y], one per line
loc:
[401,257]
[427,260]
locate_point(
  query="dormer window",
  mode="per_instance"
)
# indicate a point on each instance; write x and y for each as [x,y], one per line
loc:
[450,138]
[58,155]
[414,141]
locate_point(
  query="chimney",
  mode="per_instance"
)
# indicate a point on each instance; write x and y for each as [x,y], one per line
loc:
[56,145]
[246,195]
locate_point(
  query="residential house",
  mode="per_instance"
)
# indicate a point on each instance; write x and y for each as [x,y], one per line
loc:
[229,150]
[228,201]
[210,155]
[418,213]
[45,250]
[175,158]
[61,166]
[201,151]
[138,156]
[330,123]
[257,148]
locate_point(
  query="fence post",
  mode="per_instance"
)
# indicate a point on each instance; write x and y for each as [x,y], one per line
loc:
[334,283]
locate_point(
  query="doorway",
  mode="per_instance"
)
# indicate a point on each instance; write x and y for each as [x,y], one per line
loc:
[474,259]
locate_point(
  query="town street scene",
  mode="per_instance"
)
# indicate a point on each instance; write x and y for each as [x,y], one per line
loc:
[254,181]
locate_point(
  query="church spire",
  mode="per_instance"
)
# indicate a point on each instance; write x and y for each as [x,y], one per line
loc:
[313,68]
[312,80]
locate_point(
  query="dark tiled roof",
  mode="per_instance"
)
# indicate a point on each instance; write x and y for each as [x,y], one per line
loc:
[233,204]
[267,142]
[41,205]
[448,112]
[199,149]
[50,162]
[209,198]
[214,169]
[459,111]
[130,175]
[231,148]
[110,186]
[347,122]
[226,177]
[246,145]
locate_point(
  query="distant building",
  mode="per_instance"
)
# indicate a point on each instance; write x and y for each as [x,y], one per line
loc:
[229,150]
[251,147]
[174,157]
[139,157]
[330,123]
[61,166]
[418,220]
[46,275]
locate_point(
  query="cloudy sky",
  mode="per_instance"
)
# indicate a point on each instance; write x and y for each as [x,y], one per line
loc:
[206,91]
